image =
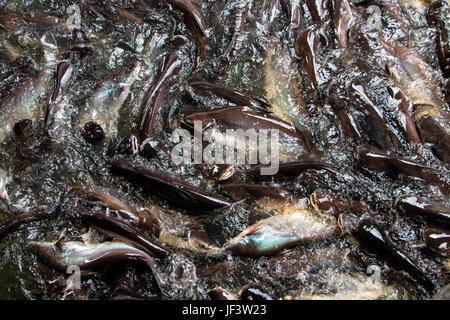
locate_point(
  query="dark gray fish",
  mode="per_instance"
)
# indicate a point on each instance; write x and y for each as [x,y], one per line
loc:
[61,254]
[376,127]
[437,239]
[423,209]
[202,87]
[376,241]
[62,79]
[239,34]
[168,186]
[380,161]
[155,95]
[196,25]
[21,22]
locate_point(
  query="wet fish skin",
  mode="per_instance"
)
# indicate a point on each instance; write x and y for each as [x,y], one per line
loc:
[306,47]
[121,229]
[20,21]
[254,293]
[376,241]
[168,186]
[237,40]
[62,79]
[100,110]
[23,102]
[270,236]
[234,96]
[196,25]
[380,161]
[377,129]
[412,75]
[294,168]
[335,205]
[167,75]
[433,133]
[405,117]
[12,224]
[435,15]
[243,117]
[139,217]
[423,209]
[62,254]
[437,239]
[219,293]
[240,190]
[3,193]
[337,98]
[342,21]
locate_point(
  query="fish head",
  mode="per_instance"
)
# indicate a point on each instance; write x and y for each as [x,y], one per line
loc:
[93,132]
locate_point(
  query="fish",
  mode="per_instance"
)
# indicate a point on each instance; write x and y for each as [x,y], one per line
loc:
[98,115]
[243,117]
[196,25]
[423,209]
[241,190]
[3,192]
[283,85]
[380,161]
[127,15]
[291,227]
[239,34]
[294,168]
[271,12]
[306,47]
[219,172]
[376,241]
[437,17]
[121,229]
[21,21]
[254,293]
[412,75]
[62,79]
[23,103]
[15,222]
[169,187]
[166,77]
[342,21]
[433,124]
[404,115]
[192,244]
[219,293]
[138,216]
[376,127]
[203,87]
[295,16]
[332,204]
[437,239]
[338,102]
[61,254]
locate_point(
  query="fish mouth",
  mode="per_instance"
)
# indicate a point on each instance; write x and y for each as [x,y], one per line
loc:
[93,132]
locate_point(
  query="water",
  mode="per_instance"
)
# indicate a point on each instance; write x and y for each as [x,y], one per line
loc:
[41,179]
